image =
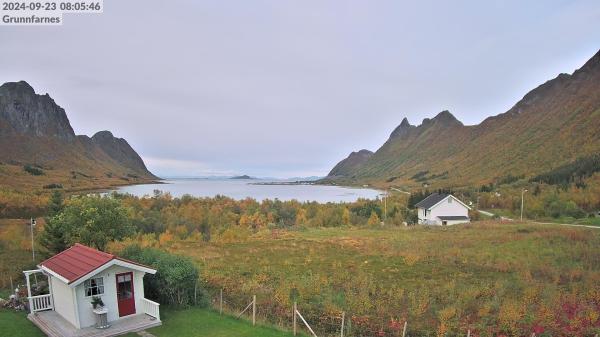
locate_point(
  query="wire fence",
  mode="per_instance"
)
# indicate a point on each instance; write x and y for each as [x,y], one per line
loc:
[306,320]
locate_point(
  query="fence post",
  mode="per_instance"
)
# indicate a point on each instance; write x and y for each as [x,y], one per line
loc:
[195,292]
[295,310]
[221,303]
[404,330]
[254,310]
[342,329]
[469,333]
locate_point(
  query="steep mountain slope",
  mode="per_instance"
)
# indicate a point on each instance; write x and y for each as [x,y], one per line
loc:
[554,124]
[35,131]
[352,163]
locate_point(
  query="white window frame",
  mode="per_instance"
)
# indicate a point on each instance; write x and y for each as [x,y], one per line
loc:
[87,284]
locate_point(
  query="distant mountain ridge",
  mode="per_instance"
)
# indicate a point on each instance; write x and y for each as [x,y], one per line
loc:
[353,162]
[34,130]
[554,124]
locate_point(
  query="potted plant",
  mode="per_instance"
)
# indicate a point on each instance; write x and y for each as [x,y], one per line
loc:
[97,302]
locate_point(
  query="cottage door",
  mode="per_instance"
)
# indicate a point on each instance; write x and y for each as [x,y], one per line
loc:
[125,294]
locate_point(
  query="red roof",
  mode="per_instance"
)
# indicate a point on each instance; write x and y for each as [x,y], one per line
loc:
[78,261]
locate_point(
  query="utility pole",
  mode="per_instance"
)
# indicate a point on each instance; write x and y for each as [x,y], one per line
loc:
[385,207]
[522,197]
[32,224]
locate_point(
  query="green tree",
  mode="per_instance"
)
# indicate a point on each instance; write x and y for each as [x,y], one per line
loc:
[55,205]
[90,220]
[53,238]
[175,279]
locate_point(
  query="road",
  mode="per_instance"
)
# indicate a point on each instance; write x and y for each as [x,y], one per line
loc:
[539,223]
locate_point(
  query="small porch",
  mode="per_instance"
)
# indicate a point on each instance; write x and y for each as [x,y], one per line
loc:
[54,325]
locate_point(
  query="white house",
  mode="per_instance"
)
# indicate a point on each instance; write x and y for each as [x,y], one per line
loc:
[80,273]
[442,209]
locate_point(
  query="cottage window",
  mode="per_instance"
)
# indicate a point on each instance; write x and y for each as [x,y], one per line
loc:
[94,286]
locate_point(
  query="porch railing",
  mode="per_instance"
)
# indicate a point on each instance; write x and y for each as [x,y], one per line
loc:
[41,302]
[151,308]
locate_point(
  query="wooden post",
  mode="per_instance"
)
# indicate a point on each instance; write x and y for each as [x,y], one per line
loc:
[469,333]
[254,310]
[221,303]
[195,292]
[12,287]
[50,290]
[404,330]
[29,293]
[342,329]
[294,314]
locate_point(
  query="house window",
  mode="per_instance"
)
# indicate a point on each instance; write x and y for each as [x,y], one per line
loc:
[94,286]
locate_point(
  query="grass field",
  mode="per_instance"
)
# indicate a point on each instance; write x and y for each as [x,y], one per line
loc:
[15,324]
[189,323]
[207,323]
[488,277]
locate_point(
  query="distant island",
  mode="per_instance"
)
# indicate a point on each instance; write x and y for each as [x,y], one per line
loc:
[245,176]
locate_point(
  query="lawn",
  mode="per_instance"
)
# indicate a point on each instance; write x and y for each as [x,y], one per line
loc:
[189,323]
[488,277]
[206,323]
[15,324]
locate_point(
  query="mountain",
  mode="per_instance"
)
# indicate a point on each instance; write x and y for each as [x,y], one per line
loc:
[242,177]
[351,164]
[36,132]
[553,125]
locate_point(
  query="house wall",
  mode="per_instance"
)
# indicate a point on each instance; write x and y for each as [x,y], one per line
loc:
[421,214]
[444,208]
[64,300]
[87,317]
[455,222]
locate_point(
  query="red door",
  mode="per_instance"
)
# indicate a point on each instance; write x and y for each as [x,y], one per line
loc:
[125,298]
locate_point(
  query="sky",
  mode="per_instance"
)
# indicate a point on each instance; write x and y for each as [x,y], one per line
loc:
[278,88]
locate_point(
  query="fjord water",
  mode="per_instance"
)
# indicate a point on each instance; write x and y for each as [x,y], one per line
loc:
[251,188]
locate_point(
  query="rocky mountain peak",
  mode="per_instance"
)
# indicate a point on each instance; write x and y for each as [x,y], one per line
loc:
[20,87]
[101,135]
[401,129]
[445,118]
[119,149]
[363,152]
[352,162]
[28,113]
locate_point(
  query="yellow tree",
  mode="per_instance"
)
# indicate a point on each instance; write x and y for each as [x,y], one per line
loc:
[373,219]
[346,217]
[301,217]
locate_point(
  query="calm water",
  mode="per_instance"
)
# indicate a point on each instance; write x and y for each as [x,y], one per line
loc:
[241,189]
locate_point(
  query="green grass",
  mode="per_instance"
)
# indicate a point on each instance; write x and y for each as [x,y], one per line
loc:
[15,324]
[196,322]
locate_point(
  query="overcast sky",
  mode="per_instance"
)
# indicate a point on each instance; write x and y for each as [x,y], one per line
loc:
[288,88]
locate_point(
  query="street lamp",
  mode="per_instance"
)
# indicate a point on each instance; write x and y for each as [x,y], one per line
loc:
[522,196]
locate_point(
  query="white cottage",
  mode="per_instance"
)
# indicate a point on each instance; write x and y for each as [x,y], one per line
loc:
[442,209]
[80,273]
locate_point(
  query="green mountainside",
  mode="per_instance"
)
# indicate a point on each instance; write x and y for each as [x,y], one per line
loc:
[553,125]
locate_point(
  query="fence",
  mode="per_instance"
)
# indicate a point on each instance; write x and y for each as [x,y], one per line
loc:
[319,325]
